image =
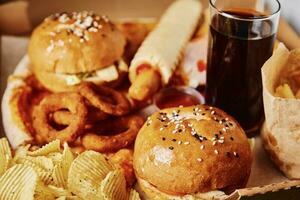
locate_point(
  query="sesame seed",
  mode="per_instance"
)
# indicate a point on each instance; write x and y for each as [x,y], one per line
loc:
[174,140]
[161,129]
[199,159]
[163,138]
[186,143]
[50,48]
[171,148]
[213,112]
[214,143]
[60,43]
[202,147]
[236,154]
[179,142]
[52,33]
[231,138]
[216,151]
[221,141]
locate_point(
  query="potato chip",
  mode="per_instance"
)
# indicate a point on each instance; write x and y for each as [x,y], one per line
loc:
[55,157]
[60,172]
[18,183]
[86,173]
[5,148]
[51,147]
[48,192]
[68,198]
[284,91]
[134,195]
[41,161]
[4,163]
[21,152]
[43,173]
[5,155]
[113,187]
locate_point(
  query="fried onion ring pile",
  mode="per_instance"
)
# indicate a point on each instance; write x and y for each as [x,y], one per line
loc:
[92,117]
[105,98]
[74,103]
[126,127]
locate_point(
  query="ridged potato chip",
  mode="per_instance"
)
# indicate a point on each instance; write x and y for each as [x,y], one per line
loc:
[55,157]
[113,187]
[44,192]
[134,195]
[51,147]
[44,175]
[68,198]
[86,173]
[5,155]
[21,152]
[60,172]
[4,163]
[41,161]
[5,148]
[18,183]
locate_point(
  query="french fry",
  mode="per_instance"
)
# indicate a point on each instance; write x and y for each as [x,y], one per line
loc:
[284,91]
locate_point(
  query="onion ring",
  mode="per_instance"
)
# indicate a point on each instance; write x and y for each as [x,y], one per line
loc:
[64,117]
[103,141]
[73,102]
[105,99]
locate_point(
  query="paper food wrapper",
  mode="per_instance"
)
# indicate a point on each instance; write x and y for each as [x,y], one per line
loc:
[282,135]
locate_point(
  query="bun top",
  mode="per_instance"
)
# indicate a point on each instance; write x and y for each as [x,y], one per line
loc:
[194,149]
[75,43]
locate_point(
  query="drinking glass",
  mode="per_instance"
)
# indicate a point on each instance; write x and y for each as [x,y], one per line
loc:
[241,39]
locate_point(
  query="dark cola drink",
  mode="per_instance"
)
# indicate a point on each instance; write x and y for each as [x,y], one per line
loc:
[239,45]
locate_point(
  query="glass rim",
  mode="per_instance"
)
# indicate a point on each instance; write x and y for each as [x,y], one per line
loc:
[265,17]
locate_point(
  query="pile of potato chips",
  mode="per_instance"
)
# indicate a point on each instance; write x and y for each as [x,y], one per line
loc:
[52,173]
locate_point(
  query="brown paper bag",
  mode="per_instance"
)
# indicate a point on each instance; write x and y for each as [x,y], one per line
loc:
[282,135]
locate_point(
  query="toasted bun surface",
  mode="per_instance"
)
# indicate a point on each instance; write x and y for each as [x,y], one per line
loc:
[194,149]
[75,43]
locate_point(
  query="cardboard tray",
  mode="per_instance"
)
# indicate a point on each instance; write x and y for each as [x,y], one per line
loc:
[265,182]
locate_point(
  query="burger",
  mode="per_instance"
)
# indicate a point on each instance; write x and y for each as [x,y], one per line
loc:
[68,48]
[195,151]
[64,50]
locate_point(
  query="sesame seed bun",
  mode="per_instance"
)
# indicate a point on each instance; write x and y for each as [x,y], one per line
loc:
[76,43]
[189,150]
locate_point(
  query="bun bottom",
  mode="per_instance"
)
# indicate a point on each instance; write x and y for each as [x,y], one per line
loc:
[149,192]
